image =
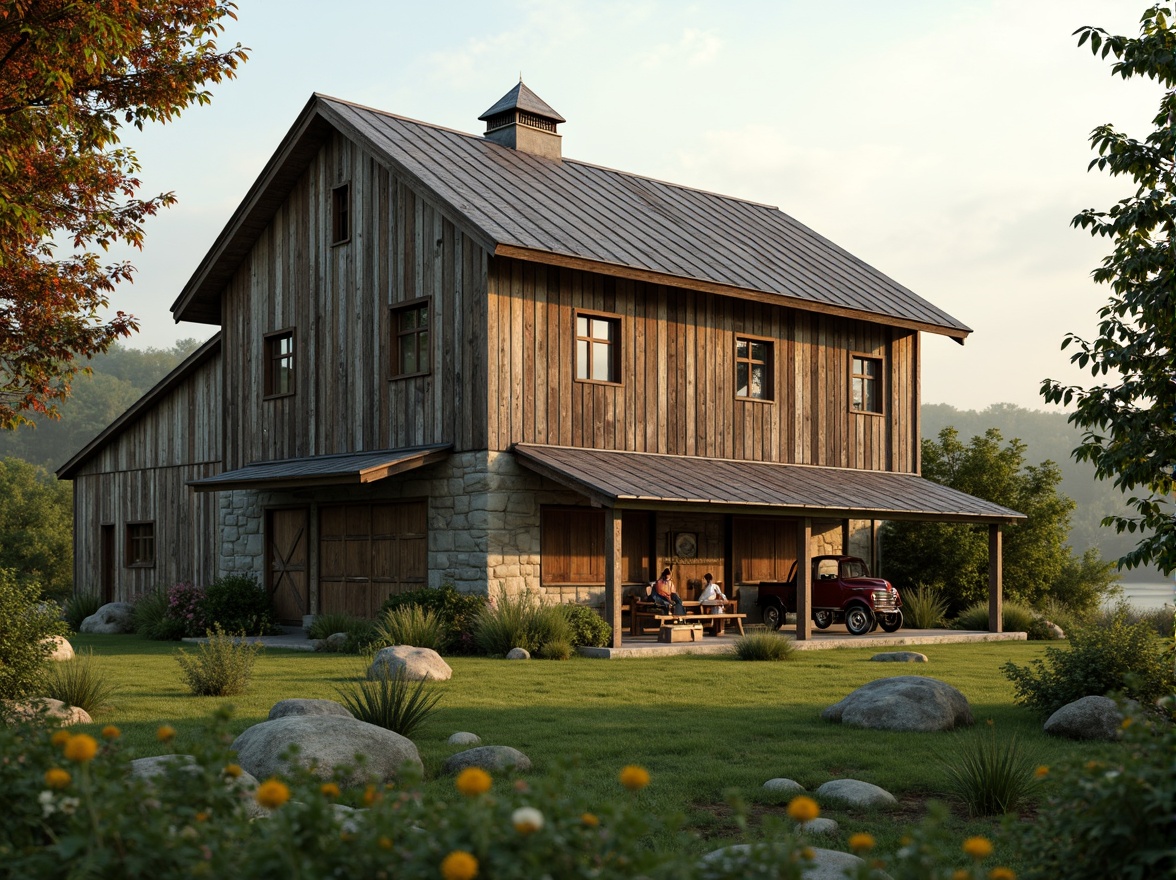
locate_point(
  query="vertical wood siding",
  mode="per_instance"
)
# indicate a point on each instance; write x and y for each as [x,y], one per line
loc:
[677,389]
[337,298]
[140,476]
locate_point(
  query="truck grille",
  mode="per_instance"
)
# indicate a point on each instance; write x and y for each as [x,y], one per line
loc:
[884,601]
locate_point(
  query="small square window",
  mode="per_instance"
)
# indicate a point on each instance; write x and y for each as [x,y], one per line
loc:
[279,364]
[753,368]
[866,388]
[140,551]
[341,214]
[410,339]
[598,348]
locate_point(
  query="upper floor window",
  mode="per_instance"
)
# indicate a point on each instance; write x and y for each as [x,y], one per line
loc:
[140,545]
[410,338]
[279,363]
[866,383]
[598,348]
[753,368]
[341,214]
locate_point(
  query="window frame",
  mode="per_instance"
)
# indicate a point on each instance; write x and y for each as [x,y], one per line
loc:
[269,343]
[130,541]
[769,364]
[880,379]
[394,336]
[617,322]
[341,219]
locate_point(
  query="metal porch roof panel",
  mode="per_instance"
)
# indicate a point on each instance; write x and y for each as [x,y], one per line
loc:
[630,479]
[350,468]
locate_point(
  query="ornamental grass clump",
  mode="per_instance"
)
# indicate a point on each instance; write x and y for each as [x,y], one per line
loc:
[520,621]
[1015,617]
[221,667]
[992,776]
[392,701]
[924,607]
[763,646]
[78,607]
[411,625]
[153,620]
[80,682]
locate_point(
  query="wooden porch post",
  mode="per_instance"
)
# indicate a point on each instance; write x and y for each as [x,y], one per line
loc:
[804,587]
[614,576]
[995,580]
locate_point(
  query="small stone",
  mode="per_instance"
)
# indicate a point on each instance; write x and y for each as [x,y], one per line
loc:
[828,864]
[782,784]
[855,793]
[1095,718]
[518,654]
[335,642]
[820,825]
[418,664]
[899,657]
[488,758]
[462,738]
[62,649]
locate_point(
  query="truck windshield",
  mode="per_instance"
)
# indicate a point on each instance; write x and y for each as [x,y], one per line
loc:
[854,568]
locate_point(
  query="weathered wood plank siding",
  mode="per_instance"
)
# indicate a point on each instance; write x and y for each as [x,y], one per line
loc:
[336,298]
[677,388]
[140,476]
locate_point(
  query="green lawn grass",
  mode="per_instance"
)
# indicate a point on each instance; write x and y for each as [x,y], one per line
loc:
[705,727]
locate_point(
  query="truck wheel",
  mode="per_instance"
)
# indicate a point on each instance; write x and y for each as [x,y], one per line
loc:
[823,619]
[858,620]
[773,616]
[890,622]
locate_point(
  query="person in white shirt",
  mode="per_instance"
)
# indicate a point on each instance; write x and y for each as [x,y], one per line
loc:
[711,599]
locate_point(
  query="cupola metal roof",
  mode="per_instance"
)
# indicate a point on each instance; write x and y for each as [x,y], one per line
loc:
[522,98]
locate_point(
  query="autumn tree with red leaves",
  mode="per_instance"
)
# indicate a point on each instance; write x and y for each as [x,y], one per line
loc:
[71,75]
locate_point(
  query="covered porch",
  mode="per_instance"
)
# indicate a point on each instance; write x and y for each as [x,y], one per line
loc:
[755,503]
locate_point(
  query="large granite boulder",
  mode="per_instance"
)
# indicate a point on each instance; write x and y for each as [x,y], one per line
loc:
[828,864]
[905,702]
[60,648]
[489,758]
[855,793]
[297,706]
[1087,718]
[324,743]
[899,657]
[418,664]
[53,710]
[244,784]
[111,619]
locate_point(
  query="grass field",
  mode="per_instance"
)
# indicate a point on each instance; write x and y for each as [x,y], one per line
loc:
[705,727]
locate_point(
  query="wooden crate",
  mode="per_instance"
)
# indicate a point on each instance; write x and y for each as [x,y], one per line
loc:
[680,632]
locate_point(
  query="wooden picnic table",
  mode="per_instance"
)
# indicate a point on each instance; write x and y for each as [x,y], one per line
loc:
[695,613]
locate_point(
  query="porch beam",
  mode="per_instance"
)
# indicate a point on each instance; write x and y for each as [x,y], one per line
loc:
[804,587]
[995,579]
[614,575]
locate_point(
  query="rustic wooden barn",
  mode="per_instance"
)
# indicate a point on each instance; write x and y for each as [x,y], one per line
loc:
[441,351]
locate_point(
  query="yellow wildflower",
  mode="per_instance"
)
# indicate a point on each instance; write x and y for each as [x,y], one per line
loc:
[272,793]
[1127,722]
[165,733]
[803,809]
[961,874]
[202,816]
[372,795]
[233,770]
[634,778]
[384,842]
[473,781]
[81,748]
[111,732]
[1041,772]
[329,790]
[57,778]
[978,847]
[589,819]
[1001,874]
[459,865]
[60,738]
[861,841]
[808,853]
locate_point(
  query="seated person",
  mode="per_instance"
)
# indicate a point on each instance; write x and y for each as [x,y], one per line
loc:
[711,599]
[665,597]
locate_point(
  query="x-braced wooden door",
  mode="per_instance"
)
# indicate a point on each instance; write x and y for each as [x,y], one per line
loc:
[287,539]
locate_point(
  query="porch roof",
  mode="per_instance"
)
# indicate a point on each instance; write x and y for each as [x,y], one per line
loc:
[348,468]
[647,480]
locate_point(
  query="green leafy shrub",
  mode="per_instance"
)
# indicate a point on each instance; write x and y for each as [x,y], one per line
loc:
[238,603]
[520,621]
[360,633]
[764,645]
[924,607]
[1103,657]
[588,627]
[990,776]
[412,625]
[78,606]
[185,604]
[152,618]
[221,667]
[1109,819]
[80,682]
[555,649]
[25,624]
[458,610]
[1015,617]
[392,701]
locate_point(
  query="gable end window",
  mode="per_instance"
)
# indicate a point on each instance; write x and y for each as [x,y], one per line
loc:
[598,348]
[279,363]
[866,384]
[753,368]
[341,214]
[410,339]
[140,549]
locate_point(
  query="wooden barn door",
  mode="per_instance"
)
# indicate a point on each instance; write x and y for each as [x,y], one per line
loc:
[287,538]
[367,552]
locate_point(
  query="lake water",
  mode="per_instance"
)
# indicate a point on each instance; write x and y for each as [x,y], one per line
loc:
[1150,595]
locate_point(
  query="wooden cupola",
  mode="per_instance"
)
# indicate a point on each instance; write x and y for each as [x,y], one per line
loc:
[523,121]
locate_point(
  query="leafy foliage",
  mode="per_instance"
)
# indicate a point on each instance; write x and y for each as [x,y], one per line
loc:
[555,649]
[153,620]
[1104,657]
[78,606]
[1127,415]
[36,522]
[185,604]
[25,623]
[71,76]
[221,667]
[80,682]
[392,701]
[1110,819]
[588,627]
[1036,559]
[361,633]
[458,610]
[763,646]
[238,603]
[991,776]
[412,625]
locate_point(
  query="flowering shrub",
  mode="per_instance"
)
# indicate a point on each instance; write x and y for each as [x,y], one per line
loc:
[184,603]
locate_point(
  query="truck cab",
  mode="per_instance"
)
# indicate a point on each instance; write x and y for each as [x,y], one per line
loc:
[843,591]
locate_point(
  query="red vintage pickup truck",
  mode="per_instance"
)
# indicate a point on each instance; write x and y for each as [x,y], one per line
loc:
[842,591]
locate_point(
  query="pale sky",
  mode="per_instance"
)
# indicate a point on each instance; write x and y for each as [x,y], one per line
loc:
[942,141]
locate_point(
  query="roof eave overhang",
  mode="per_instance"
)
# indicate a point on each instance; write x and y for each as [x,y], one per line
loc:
[359,477]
